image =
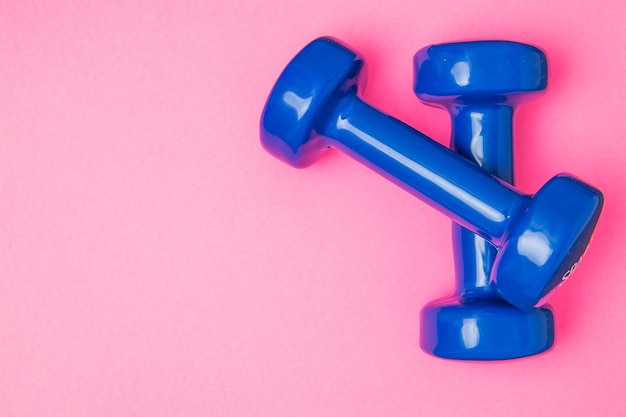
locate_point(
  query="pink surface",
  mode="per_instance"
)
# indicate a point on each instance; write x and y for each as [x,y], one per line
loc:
[155,261]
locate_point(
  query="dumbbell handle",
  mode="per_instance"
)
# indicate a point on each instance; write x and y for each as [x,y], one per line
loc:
[423,167]
[482,133]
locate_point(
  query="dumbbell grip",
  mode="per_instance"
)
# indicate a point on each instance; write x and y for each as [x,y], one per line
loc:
[424,168]
[482,133]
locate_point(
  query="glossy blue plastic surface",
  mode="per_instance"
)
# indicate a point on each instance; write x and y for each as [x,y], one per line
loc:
[479,83]
[314,106]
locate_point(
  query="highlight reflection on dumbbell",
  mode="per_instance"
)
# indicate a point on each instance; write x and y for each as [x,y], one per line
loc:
[480,83]
[314,106]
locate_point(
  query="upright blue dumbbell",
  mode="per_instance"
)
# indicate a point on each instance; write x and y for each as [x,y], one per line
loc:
[314,106]
[480,83]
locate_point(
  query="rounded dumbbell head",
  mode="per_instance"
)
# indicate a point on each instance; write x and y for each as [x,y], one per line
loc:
[484,329]
[466,72]
[314,79]
[546,242]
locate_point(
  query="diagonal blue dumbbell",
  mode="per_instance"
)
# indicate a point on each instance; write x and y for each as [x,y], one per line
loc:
[480,84]
[314,106]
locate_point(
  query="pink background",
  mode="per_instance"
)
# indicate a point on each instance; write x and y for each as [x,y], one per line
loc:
[155,261]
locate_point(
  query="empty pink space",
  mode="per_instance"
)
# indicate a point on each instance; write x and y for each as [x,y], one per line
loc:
[156,261]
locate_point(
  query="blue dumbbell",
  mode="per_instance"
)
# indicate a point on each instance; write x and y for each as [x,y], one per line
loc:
[480,83]
[314,106]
